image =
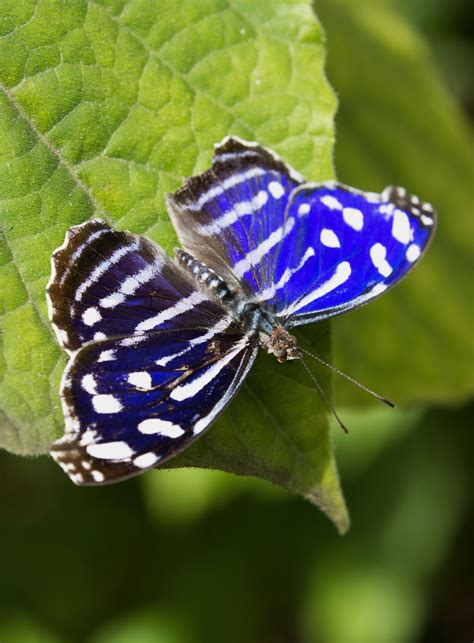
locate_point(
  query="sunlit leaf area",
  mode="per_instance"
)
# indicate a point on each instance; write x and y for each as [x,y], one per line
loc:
[275,526]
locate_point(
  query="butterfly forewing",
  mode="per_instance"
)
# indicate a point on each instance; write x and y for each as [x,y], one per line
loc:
[107,283]
[233,218]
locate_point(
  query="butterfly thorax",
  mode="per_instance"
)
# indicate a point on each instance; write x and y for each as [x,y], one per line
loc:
[273,337]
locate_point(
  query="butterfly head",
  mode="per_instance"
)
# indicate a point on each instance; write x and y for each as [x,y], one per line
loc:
[281,344]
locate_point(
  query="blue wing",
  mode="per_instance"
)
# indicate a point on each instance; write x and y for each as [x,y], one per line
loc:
[306,251]
[233,216]
[345,248]
[130,404]
[105,283]
[154,360]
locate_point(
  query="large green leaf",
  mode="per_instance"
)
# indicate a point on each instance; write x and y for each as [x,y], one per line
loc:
[104,106]
[397,124]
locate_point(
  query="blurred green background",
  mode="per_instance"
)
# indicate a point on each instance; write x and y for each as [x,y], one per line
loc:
[201,557]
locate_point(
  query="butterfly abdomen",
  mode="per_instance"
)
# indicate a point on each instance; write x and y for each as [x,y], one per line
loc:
[204,275]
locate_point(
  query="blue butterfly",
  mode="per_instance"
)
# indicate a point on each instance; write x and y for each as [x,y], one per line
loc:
[158,347]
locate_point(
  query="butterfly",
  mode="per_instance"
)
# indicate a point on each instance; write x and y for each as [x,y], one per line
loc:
[158,346]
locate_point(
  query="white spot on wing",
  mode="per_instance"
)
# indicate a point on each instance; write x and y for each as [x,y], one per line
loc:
[78,478]
[91,316]
[200,425]
[303,209]
[276,189]
[146,460]
[112,300]
[331,202]
[168,358]
[155,426]
[133,340]
[329,238]
[378,252]
[141,380]
[118,450]
[106,356]
[131,284]
[98,476]
[89,384]
[413,252]
[106,404]
[88,437]
[378,289]
[261,199]
[387,208]
[401,230]
[354,218]
[372,197]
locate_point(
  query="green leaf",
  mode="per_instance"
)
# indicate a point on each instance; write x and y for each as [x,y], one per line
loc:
[397,125]
[104,106]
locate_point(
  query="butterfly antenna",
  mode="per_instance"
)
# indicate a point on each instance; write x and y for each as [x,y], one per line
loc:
[349,378]
[324,397]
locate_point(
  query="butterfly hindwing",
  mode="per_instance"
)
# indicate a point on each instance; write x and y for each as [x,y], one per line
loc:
[132,403]
[347,247]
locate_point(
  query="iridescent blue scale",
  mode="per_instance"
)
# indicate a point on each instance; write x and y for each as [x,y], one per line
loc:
[158,347]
